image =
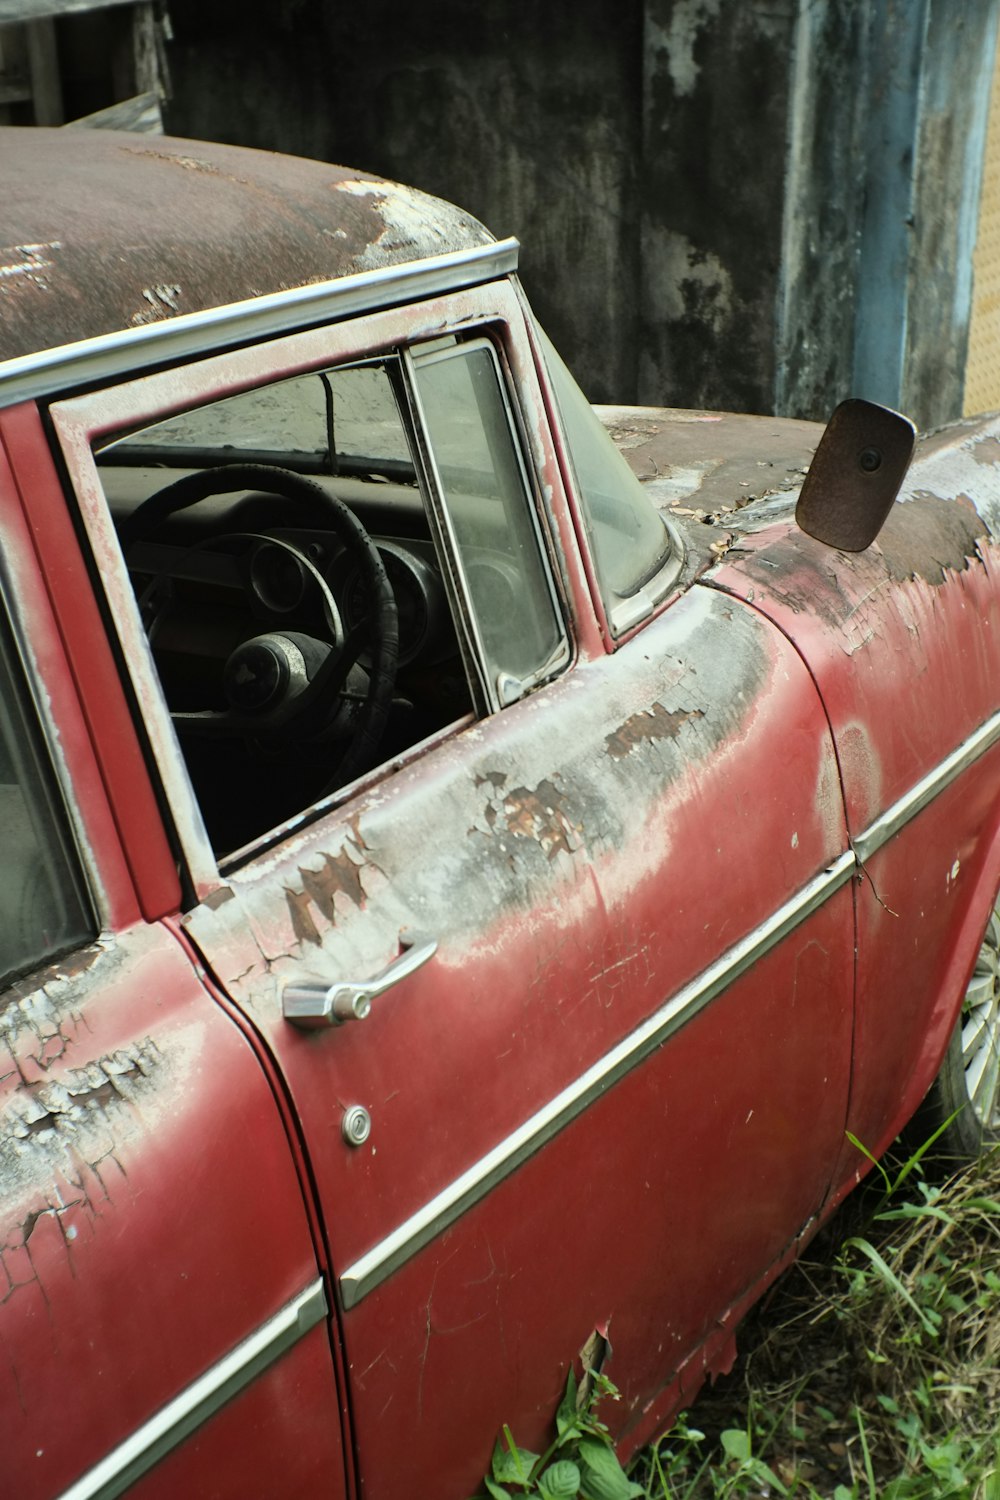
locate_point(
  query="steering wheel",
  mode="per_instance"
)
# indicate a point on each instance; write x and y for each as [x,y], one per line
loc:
[301,682]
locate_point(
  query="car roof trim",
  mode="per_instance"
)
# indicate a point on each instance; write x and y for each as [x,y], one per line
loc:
[132,351]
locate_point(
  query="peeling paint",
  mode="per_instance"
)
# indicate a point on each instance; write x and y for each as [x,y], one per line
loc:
[656,723]
[63,1144]
[542,814]
[31,262]
[340,875]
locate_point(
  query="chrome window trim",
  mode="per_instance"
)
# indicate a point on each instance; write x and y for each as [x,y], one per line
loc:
[417,357]
[180,1417]
[130,351]
[33,680]
[632,609]
[372,1268]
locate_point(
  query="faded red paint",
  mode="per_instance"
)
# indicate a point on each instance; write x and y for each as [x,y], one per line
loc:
[171,1155]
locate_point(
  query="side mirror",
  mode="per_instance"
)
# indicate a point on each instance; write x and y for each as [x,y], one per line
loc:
[855,475]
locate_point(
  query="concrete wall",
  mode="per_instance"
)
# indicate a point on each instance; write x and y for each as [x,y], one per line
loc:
[529,116]
[754,204]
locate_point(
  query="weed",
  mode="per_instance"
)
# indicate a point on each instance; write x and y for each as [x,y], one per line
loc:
[873,1374]
[580,1461]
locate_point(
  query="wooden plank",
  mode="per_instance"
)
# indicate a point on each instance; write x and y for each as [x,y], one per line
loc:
[141,115]
[144,50]
[43,65]
[39,10]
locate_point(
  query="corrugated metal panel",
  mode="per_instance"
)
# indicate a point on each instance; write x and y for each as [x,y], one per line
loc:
[982,371]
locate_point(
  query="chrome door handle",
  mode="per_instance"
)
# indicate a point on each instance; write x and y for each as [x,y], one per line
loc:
[316,1005]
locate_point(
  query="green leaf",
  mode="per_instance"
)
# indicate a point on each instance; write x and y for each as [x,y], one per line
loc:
[603,1476]
[512,1465]
[989,1206]
[496,1491]
[736,1442]
[890,1278]
[561,1481]
[567,1415]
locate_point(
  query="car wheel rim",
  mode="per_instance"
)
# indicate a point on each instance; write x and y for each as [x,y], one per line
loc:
[981,1029]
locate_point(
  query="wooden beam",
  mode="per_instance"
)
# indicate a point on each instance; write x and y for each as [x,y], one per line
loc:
[43,66]
[40,10]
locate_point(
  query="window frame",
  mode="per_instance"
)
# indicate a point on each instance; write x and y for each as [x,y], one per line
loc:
[495,695]
[81,422]
[50,811]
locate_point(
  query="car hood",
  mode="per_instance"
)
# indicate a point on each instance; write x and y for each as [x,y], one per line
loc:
[740,477]
[704,463]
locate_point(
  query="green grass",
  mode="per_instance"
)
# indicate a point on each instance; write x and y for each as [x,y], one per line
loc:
[871,1372]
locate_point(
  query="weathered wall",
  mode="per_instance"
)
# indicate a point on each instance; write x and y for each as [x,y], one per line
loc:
[823,208]
[949,151]
[754,204]
[714,112]
[529,116]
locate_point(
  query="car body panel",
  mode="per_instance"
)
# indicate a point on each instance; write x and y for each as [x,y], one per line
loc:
[552,951]
[126,1208]
[611,1104]
[930,578]
[924,593]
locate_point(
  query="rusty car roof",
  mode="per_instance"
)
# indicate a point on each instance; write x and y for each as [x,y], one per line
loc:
[105,231]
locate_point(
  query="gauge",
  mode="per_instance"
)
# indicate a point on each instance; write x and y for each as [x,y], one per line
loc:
[278,577]
[419,598]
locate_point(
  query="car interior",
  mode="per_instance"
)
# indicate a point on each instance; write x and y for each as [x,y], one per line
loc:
[321,588]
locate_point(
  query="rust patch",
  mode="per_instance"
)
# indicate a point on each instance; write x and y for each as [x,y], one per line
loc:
[341,876]
[542,815]
[927,535]
[303,926]
[657,723]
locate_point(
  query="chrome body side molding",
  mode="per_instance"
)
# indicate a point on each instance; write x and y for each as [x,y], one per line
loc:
[192,1407]
[930,786]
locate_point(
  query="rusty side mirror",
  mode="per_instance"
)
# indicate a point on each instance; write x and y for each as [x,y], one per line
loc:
[855,475]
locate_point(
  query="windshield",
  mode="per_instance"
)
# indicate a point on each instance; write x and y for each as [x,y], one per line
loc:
[628,538]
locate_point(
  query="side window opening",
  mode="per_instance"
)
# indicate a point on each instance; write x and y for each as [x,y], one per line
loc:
[491,525]
[321,581]
[44,907]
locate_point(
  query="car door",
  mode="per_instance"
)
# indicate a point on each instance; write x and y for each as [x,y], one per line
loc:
[162,1312]
[593,942]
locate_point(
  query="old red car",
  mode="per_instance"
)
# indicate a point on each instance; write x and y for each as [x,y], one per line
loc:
[457,897]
